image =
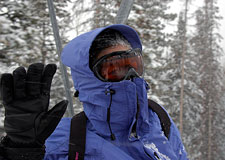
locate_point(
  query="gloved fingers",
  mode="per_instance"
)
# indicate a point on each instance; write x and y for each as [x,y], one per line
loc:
[6,88]
[47,76]
[19,78]
[57,111]
[33,80]
[51,119]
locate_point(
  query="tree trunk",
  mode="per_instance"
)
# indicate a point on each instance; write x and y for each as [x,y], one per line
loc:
[184,52]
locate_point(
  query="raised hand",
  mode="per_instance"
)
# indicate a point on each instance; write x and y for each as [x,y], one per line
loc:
[25,96]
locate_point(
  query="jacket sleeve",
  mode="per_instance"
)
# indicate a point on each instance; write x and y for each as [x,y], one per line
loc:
[57,145]
[176,142]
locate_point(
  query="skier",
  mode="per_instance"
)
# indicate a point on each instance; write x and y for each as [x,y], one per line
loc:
[107,69]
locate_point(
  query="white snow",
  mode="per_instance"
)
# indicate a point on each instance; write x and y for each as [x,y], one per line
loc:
[153,147]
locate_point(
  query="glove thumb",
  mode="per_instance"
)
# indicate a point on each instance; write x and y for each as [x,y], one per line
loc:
[50,120]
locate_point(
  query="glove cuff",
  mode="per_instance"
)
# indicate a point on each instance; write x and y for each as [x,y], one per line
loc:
[20,153]
[7,142]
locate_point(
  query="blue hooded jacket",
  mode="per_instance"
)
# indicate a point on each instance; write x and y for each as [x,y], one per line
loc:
[150,142]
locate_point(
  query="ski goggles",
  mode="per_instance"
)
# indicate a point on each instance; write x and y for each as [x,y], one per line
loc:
[115,66]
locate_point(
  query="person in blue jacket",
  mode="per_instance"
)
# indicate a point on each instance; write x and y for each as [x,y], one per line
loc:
[99,64]
[107,69]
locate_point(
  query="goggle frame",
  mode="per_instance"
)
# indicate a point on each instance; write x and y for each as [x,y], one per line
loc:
[122,54]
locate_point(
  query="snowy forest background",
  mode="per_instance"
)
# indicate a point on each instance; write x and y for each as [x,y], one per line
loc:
[190,54]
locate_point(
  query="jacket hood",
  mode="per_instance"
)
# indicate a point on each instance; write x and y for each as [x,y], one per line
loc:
[76,54]
[94,93]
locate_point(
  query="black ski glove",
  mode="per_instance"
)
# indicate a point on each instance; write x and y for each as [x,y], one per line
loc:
[25,95]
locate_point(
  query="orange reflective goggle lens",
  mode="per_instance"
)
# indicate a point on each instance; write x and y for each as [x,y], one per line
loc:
[114,67]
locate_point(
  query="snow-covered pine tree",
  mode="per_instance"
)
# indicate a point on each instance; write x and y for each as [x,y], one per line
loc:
[104,12]
[219,123]
[98,13]
[12,34]
[208,52]
[174,69]
[192,93]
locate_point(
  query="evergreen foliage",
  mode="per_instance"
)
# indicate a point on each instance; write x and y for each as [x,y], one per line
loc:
[208,53]
[26,37]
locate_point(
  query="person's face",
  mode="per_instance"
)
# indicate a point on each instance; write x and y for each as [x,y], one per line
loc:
[112,49]
[118,65]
